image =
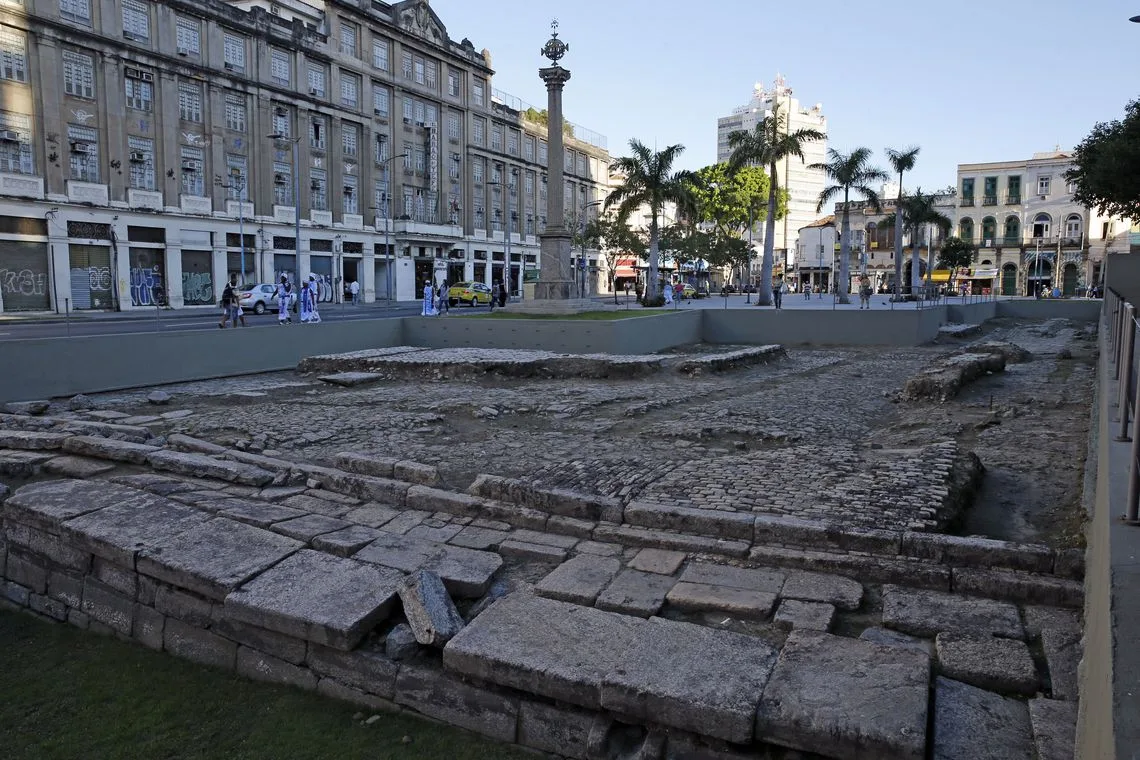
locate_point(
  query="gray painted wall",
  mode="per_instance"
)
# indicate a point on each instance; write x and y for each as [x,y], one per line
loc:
[1122,274]
[791,327]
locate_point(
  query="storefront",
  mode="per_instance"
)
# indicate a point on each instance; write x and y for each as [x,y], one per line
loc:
[197,278]
[92,285]
[24,278]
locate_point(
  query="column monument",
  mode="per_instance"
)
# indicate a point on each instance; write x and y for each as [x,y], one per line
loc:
[555,286]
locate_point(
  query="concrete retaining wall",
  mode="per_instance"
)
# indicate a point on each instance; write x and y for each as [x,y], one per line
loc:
[1122,274]
[791,327]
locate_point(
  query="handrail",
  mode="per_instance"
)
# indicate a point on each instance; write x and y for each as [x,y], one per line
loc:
[1120,319]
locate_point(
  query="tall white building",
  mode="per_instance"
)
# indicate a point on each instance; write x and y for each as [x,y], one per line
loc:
[803,184]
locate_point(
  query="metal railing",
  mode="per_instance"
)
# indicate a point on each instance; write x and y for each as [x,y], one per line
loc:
[1122,328]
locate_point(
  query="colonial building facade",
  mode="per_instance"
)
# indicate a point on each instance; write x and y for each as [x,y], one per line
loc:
[1028,229]
[150,150]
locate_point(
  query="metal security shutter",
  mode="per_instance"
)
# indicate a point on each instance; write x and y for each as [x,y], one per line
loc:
[285,264]
[322,267]
[24,280]
[91,286]
[197,279]
[148,276]
[234,266]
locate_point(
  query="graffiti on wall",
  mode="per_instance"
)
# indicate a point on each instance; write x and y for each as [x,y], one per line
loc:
[197,288]
[146,286]
[91,288]
[22,282]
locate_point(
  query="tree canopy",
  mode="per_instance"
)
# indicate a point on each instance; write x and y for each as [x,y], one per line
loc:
[1106,166]
[725,198]
[536,116]
[956,253]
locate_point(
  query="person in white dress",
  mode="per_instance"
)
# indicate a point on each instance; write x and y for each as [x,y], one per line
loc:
[429,299]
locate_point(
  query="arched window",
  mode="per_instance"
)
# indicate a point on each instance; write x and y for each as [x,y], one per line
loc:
[1073,227]
[1012,230]
[989,231]
[966,229]
[1041,225]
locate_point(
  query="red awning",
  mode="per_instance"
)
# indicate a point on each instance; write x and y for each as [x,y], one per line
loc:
[625,267]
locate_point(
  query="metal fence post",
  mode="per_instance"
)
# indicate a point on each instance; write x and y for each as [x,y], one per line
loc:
[1133,503]
[1118,339]
[1128,341]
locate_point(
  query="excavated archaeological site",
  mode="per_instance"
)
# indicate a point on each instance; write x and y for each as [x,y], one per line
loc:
[772,552]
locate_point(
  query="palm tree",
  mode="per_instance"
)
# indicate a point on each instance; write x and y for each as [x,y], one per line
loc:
[766,145]
[918,212]
[902,161]
[848,172]
[648,179]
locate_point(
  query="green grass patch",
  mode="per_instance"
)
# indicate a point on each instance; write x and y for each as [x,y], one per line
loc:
[70,694]
[586,316]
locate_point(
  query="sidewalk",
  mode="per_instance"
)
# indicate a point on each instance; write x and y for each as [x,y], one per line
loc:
[149,313]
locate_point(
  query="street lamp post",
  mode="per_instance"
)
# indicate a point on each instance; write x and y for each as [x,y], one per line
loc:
[386,207]
[582,260]
[748,257]
[510,217]
[237,182]
[282,137]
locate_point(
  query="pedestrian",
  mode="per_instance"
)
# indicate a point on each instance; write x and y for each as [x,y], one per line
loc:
[429,298]
[227,301]
[502,294]
[778,293]
[306,296]
[354,288]
[678,291]
[667,291]
[443,298]
[283,291]
[807,291]
[864,293]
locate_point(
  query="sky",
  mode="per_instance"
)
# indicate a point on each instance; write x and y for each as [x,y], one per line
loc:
[971,81]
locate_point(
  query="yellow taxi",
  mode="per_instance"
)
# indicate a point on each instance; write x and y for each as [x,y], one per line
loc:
[471,293]
[689,291]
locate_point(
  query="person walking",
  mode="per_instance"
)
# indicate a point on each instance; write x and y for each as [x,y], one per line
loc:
[864,293]
[306,297]
[429,298]
[229,299]
[807,291]
[502,294]
[443,305]
[354,288]
[283,291]
[315,290]
[778,293]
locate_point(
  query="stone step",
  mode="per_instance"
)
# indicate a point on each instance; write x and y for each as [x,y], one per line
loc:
[31,440]
[202,465]
[978,724]
[465,572]
[928,613]
[108,448]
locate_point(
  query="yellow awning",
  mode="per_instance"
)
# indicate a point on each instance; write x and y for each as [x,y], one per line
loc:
[940,275]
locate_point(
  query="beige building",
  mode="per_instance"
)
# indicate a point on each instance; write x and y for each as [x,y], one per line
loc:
[136,162]
[1028,230]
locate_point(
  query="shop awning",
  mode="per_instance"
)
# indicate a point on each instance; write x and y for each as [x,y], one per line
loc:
[940,275]
[984,273]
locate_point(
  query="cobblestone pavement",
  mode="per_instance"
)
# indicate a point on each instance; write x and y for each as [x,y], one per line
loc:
[819,434]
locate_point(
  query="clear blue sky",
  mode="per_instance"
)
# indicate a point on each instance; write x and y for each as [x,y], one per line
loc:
[975,80]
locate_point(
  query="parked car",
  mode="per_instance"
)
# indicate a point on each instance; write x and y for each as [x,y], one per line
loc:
[263,296]
[471,293]
[689,291]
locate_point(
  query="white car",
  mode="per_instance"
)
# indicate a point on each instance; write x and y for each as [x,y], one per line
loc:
[262,297]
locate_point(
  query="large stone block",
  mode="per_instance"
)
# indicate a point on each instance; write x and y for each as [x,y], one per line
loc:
[203,466]
[978,552]
[550,648]
[691,677]
[928,613]
[658,561]
[108,448]
[308,527]
[66,588]
[448,699]
[271,642]
[706,522]
[636,593]
[796,615]
[365,487]
[430,612]
[1002,665]
[366,464]
[77,467]
[913,573]
[346,541]
[1054,726]
[187,607]
[363,669]
[258,666]
[579,580]
[48,504]
[142,521]
[888,638]
[846,698]
[102,603]
[1029,588]
[215,557]
[27,571]
[47,545]
[660,539]
[709,574]
[194,644]
[334,689]
[1060,633]
[737,602]
[973,723]
[563,731]
[47,607]
[121,579]
[148,627]
[257,513]
[318,597]
[844,593]
[465,572]
[439,500]
[31,440]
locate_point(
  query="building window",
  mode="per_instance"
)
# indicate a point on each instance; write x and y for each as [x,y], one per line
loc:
[280,67]
[380,54]
[408,207]
[13,55]
[477,171]
[479,134]
[1013,190]
[513,142]
[78,74]
[141,163]
[139,94]
[76,10]
[84,146]
[382,152]
[189,101]
[418,69]
[1041,225]
[193,172]
[318,138]
[529,185]
[380,100]
[380,198]
[317,79]
[477,92]
[453,126]
[282,184]
[1043,183]
[431,74]
[406,64]
[496,175]
[238,169]
[431,115]
[318,190]
[407,109]
[349,140]
[233,50]
[408,150]
[136,20]
[351,201]
[349,33]
[582,164]
[419,165]
[235,113]
[968,188]
[281,125]
[421,117]
[1073,228]
[453,84]
[453,168]
[16,148]
[966,229]
[349,90]
[496,137]
[989,191]
[1012,230]
[188,36]
[542,152]
[528,148]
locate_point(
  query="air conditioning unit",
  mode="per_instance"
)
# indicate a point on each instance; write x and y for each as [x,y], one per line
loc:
[314,91]
[146,76]
[9,135]
[280,179]
[81,147]
[137,157]
[279,111]
[349,190]
[407,120]
[989,243]
[228,66]
[191,165]
[1044,197]
[377,112]
[132,73]
[314,185]
[455,156]
[183,51]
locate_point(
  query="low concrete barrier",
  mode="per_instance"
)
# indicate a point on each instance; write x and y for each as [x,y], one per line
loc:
[797,327]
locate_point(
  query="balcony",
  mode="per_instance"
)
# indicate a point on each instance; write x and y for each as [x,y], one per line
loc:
[1011,240]
[87,192]
[196,204]
[1013,199]
[22,185]
[144,199]
[989,200]
[966,201]
[426,229]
